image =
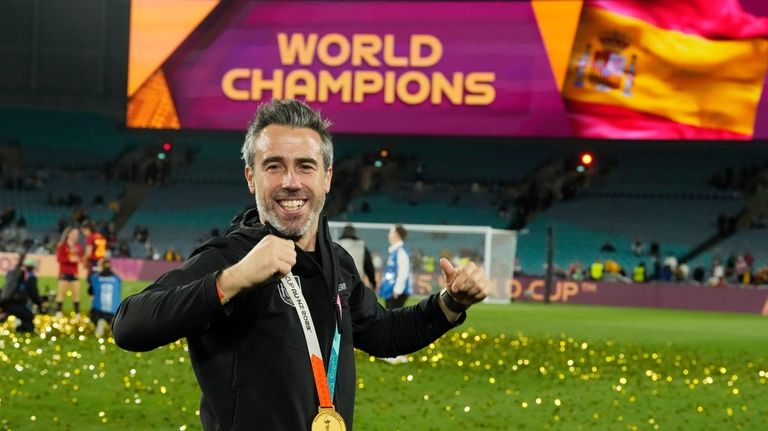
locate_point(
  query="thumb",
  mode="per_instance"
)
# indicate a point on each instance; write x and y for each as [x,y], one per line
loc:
[448,270]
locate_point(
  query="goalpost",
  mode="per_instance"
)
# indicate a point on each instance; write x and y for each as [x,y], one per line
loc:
[493,249]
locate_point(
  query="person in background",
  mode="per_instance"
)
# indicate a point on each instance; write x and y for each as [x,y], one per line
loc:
[596,270]
[172,255]
[360,254]
[96,247]
[397,282]
[107,291]
[639,273]
[638,247]
[576,271]
[17,302]
[69,254]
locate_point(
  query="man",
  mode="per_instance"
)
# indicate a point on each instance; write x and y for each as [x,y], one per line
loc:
[360,254]
[397,282]
[266,308]
[17,301]
[107,290]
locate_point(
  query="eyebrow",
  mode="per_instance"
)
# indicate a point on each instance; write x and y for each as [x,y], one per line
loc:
[280,159]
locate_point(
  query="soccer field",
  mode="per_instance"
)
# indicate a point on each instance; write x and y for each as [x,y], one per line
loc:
[516,366]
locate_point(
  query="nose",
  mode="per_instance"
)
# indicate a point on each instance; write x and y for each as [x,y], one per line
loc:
[291,180]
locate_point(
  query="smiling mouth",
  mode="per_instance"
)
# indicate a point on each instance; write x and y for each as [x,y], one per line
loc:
[292,204]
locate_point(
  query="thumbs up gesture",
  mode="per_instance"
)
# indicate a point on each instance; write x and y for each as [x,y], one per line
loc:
[466,284]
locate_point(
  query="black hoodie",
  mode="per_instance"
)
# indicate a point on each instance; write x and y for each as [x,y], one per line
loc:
[249,356]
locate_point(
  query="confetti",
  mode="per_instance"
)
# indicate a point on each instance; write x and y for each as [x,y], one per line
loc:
[465,377]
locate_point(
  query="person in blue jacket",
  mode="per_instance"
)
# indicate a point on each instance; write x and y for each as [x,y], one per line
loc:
[397,281]
[107,291]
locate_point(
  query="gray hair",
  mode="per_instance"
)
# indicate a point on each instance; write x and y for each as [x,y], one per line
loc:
[289,112]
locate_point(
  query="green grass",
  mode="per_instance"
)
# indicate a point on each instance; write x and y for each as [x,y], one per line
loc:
[517,366]
[531,366]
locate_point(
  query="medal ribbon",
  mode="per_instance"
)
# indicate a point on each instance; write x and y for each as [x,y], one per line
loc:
[325,385]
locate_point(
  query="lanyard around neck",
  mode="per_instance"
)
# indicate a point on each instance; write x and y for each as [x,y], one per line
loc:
[325,385]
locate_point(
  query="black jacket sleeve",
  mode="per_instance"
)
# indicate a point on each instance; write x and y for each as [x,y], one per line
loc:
[180,303]
[388,333]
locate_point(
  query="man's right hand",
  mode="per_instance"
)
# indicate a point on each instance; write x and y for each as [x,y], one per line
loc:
[272,256]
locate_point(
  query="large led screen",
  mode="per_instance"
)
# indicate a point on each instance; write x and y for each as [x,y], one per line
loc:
[614,69]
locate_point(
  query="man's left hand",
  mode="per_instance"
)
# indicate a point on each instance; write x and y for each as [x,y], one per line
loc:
[467,284]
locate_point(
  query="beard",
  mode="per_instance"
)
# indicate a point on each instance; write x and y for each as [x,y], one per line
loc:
[290,229]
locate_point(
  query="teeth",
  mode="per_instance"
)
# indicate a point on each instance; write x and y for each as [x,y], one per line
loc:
[291,205]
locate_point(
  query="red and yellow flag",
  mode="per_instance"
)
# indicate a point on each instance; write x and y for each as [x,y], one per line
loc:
[684,69]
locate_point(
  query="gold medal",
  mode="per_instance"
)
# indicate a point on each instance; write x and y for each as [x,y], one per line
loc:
[328,419]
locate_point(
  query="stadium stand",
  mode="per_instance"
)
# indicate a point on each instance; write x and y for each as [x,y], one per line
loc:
[64,140]
[661,192]
[671,193]
[180,214]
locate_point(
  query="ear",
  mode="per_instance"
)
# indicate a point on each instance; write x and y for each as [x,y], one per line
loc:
[328,176]
[249,179]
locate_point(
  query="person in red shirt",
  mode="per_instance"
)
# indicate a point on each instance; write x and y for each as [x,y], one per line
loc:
[95,249]
[69,254]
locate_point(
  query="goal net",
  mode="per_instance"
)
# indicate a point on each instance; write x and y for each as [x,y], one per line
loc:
[493,249]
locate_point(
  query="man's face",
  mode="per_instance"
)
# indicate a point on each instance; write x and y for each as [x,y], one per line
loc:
[393,237]
[289,179]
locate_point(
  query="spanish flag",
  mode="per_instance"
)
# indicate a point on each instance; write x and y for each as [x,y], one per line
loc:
[660,69]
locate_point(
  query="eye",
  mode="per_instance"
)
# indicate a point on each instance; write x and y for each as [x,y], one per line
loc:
[272,167]
[306,167]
